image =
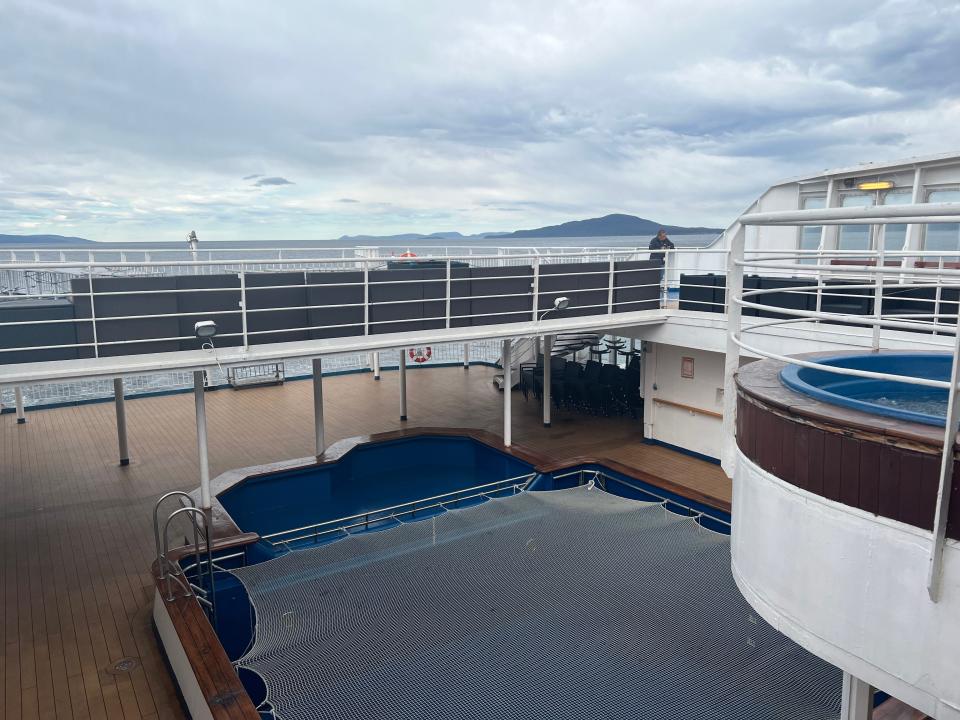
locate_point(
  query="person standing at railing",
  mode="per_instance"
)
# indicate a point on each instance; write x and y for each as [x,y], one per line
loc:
[661,242]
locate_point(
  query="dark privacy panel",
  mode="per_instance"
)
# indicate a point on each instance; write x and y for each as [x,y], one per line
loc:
[215,297]
[136,300]
[276,290]
[335,288]
[34,310]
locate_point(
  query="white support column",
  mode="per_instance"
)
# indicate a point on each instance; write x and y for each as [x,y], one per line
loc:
[466,356]
[319,441]
[507,392]
[732,362]
[547,378]
[856,702]
[403,383]
[18,396]
[121,421]
[200,401]
[376,366]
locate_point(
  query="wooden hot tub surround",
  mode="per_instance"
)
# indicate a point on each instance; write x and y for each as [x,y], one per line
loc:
[880,465]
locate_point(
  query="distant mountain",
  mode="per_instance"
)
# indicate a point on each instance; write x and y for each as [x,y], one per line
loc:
[607,226]
[56,240]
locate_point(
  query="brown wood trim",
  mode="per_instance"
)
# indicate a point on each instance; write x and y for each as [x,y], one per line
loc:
[890,469]
[219,544]
[691,408]
[631,472]
[218,681]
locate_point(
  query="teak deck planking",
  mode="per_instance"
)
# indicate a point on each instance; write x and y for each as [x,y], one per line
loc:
[77,540]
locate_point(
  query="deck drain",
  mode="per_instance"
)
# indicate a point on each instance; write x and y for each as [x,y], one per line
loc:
[123,666]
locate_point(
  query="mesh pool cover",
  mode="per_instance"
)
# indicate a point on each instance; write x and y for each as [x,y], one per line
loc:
[564,604]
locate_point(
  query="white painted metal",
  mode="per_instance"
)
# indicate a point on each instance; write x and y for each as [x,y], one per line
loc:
[18,400]
[734,314]
[466,355]
[58,370]
[507,392]
[447,309]
[243,309]
[403,383]
[880,214]
[200,402]
[848,586]
[547,378]
[951,427]
[93,313]
[856,702]
[121,409]
[536,289]
[376,366]
[319,442]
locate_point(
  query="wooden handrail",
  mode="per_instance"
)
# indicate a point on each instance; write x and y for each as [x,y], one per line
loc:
[690,408]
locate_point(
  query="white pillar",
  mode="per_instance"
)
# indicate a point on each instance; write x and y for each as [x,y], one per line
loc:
[403,383]
[466,356]
[507,392]
[547,377]
[319,442]
[18,395]
[200,401]
[121,421]
[856,702]
[732,362]
[376,366]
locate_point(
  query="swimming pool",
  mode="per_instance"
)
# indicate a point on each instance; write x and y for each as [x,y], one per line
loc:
[368,479]
[900,400]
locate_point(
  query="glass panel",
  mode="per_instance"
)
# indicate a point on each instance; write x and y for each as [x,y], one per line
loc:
[855,237]
[945,236]
[894,236]
[810,234]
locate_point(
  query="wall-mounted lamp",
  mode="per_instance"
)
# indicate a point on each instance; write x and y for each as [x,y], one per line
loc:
[875,185]
[205,329]
[561,303]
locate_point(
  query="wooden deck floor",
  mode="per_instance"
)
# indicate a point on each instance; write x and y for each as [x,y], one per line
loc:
[75,528]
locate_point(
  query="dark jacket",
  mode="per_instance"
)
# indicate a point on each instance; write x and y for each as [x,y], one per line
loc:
[658,244]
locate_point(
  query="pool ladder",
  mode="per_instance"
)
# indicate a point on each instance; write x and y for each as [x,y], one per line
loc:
[171,573]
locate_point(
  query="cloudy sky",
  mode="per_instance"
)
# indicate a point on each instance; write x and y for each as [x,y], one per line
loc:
[310,119]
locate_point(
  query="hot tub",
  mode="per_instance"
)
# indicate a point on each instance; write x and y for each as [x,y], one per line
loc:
[890,398]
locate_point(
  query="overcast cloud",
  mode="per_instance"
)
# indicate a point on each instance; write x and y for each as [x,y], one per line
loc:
[143,120]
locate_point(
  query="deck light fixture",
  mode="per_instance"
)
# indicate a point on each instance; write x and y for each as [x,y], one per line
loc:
[561,303]
[205,329]
[875,185]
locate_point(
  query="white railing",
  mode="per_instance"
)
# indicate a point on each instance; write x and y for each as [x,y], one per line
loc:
[66,263]
[607,279]
[881,271]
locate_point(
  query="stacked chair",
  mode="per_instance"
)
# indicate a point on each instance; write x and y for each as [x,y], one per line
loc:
[592,387]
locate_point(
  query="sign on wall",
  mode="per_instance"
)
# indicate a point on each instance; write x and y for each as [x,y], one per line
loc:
[686,368]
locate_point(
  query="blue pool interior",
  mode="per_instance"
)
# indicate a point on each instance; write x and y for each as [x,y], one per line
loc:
[368,478]
[889,398]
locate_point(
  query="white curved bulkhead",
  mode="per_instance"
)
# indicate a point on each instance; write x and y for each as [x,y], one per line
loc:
[850,587]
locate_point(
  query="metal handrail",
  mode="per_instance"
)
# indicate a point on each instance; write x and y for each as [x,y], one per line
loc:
[381,514]
[172,572]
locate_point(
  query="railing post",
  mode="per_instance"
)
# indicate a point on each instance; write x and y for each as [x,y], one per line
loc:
[507,391]
[403,383]
[121,421]
[878,293]
[318,433]
[936,304]
[951,427]
[536,287]
[243,307]
[366,307]
[447,312]
[466,356]
[18,400]
[93,314]
[200,402]
[732,362]
[610,286]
